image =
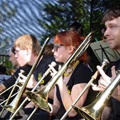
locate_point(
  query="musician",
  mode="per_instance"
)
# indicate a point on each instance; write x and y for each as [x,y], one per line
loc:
[27,48]
[111,19]
[76,26]
[74,79]
[42,67]
[33,49]
[25,55]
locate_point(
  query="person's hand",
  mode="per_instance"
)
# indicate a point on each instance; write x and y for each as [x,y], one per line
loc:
[31,83]
[104,80]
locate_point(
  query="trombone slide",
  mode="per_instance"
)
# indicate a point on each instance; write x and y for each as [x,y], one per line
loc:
[94,110]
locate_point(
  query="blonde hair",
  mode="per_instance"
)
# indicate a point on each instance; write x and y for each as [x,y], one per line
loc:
[28,42]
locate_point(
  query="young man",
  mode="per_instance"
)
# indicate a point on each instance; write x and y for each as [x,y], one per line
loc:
[111,20]
[27,48]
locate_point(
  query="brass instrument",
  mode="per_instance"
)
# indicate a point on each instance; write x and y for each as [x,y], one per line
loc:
[14,104]
[94,110]
[94,77]
[40,98]
[50,69]
[1,104]
[13,88]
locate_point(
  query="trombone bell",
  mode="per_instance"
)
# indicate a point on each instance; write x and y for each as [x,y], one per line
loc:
[94,110]
[38,100]
[88,112]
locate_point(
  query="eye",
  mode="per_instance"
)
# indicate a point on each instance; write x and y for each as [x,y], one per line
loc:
[112,26]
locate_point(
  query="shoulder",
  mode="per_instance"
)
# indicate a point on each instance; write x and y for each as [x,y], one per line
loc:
[83,68]
[82,74]
[26,69]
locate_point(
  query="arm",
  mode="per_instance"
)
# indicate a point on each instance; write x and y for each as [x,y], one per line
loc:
[56,104]
[2,87]
[105,80]
[106,113]
[116,93]
[68,99]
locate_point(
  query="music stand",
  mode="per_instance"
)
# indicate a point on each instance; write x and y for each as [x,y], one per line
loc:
[102,51]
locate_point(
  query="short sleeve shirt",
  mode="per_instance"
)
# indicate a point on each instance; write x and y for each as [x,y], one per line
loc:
[81,74]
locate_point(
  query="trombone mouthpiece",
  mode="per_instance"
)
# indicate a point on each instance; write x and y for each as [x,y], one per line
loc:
[53,64]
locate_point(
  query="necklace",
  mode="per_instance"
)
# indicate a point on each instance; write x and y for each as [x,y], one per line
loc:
[71,68]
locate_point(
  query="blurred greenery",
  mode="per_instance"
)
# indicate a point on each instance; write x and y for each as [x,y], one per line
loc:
[59,15]
[62,13]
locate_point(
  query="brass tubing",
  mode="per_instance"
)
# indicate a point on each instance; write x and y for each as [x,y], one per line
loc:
[94,110]
[17,99]
[104,63]
[40,98]
[44,75]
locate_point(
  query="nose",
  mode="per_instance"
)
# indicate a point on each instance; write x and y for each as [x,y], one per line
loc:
[53,50]
[107,32]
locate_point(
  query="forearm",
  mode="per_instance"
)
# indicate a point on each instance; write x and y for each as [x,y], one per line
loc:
[53,109]
[116,93]
[66,98]
[2,87]
[106,113]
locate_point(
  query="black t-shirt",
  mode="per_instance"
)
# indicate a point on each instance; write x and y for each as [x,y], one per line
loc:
[42,67]
[14,77]
[81,74]
[113,103]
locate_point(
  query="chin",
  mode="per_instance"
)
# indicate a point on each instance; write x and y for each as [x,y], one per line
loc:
[111,46]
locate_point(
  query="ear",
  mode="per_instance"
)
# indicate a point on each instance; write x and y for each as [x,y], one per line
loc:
[28,51]
[71,49]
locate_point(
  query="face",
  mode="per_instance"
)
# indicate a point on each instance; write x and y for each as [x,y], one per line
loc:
[61,53]
[12,59]
[112,33]
[22,56]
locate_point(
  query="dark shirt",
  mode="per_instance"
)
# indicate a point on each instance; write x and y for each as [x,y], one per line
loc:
[14,77]
[113,103]
[42,67]
[81,74]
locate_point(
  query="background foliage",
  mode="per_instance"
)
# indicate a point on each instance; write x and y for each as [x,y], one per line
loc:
[62,13]
[45,18]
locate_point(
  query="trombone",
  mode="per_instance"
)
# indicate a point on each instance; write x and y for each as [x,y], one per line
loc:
[14,104]
[14,86]
[50,69]
[94,110]
[40,98]
[94,77]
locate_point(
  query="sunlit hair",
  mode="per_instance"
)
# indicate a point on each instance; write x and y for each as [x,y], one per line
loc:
[111,13]
[68,38]
[28,42]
